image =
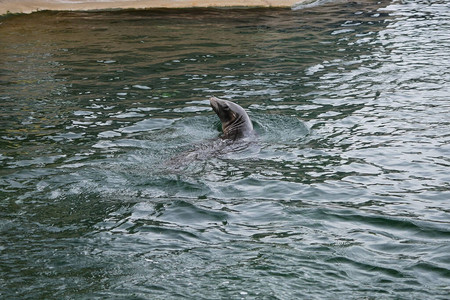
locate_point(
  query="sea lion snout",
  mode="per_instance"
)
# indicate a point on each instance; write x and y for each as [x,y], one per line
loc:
[215,103]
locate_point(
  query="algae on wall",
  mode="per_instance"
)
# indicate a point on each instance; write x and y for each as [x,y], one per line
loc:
[28,6]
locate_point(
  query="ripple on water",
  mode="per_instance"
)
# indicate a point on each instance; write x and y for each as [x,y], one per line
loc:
[114,181]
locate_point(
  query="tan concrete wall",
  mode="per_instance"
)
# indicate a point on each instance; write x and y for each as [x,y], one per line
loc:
[28,6]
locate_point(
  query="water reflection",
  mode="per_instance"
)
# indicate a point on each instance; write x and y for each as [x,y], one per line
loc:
[343,190]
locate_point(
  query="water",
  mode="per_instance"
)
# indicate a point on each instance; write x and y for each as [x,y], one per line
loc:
[110,190]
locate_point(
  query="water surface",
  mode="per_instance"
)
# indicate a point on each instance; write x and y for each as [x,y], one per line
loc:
[343,194]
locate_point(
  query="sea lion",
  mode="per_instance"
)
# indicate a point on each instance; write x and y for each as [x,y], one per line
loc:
[235,122]
[236,125]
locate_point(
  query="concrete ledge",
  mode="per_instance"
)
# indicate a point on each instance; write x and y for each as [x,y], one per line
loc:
[28,6]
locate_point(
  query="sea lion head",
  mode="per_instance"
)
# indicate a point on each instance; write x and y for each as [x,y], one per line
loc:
[235,121]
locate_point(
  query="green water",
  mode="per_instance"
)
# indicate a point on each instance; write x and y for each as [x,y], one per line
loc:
[111,187]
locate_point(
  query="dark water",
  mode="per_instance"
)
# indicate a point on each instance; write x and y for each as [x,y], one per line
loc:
[344,195]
